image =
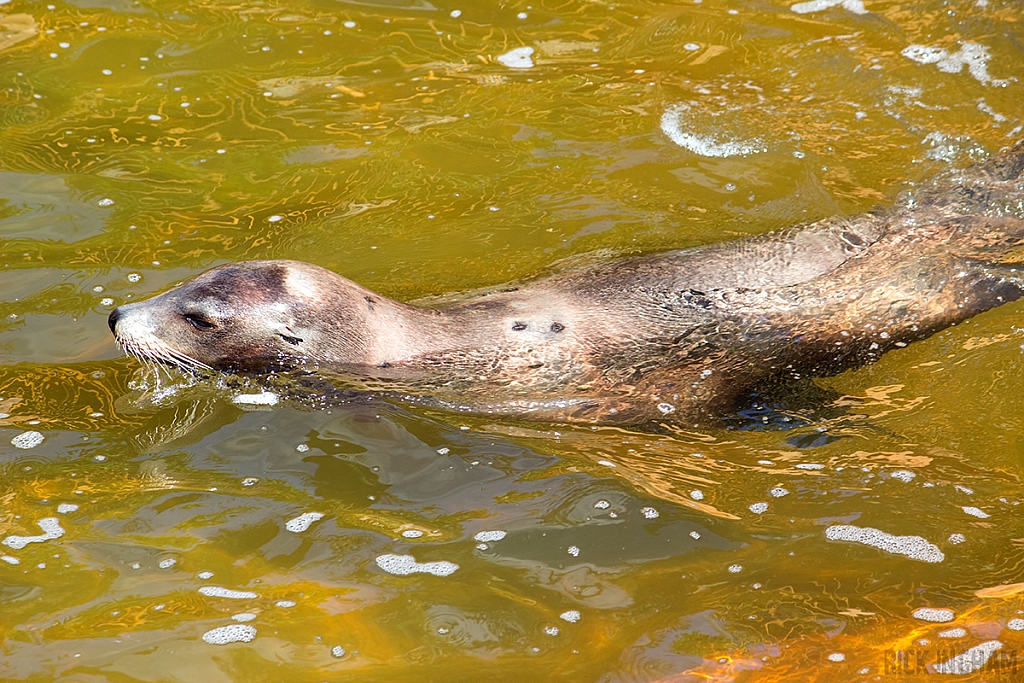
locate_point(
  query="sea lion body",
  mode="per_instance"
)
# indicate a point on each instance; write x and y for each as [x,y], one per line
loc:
[678,335]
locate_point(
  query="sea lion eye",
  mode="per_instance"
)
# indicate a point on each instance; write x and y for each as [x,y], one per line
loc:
[199,322]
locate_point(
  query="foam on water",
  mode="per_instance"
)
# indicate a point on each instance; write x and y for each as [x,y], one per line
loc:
[218,592]
[242,617]
[837,657]
[403,565]
[902,475]
[970,660]
[759,508]
[649,513]
[975,512]
[285,604]
[778,492]
[265,398]
[26,440]
[412,533]
[489,536]
[232,633]
[1015,624]
[938,615]
[572,616]
[65,508]
[953,633]
[972,55]
[51,530]
[703,145]
[302,522]
[810,466]
[519,58]
[855,6]
[914,547]
[10,559]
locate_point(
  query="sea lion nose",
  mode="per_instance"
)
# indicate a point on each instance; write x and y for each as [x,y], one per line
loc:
[115,315]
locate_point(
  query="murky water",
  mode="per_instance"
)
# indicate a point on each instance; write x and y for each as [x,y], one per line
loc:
[170,534]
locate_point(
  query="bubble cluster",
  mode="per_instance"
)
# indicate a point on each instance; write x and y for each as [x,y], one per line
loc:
[338,651]
[572,616]
[953,633]
[809,466]
[837,657]
[957,539]
[759,508]
[218,592]
[735,568]
[969,660]
[168,563]
[26,440]
[403,565]
[489,536]
[232,633]
[243,617]
[778,492]
[914,547]
[65,508]
[285,603]
[649,513]
[1015,624]
[975,512]
[51,530]
[854,6]
[902,475]
[938,615]
[302,522]
[412,533]
[697,494]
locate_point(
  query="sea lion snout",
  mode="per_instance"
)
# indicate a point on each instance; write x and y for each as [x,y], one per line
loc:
[112,319]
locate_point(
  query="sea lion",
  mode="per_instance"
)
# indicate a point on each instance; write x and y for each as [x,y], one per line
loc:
[677,335]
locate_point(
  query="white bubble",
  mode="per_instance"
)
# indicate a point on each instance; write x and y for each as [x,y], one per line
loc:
[972,55]
[602,505]
[572,616]
[649,513]
[302,448]
[953,633]
[265,398]
[735,568]
[27,440]
[666,408]
[205,575]
[243,617]
[519,58]
[522,15]
[902,475]
[218,592]
[1015,624]
[914,547]
[275,218]
[692,47]
[697,494]
[65,508]
[303,521]
[443,450]
[606,463]
[285,603]
[809,466]
[349,24]
[51,530]
[412,533]
[695,535]
[250,481]
[489,536]
[338,651]
[403,565]
[837,657]
[455,13]
[9,559]
[233,633]
[956,539]
[155,117]
[939,615]
[969,660]
[975,512]
[168,563]
[759,508]
[106,201]
[134,277]
[107,72]
[778,492]
[574,551]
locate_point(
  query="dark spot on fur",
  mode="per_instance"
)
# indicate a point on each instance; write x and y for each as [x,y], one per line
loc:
[295,341]
[696,292]
[535,366]
[852,238]
[518,326]
[557,327]
[369,303]
[385,364]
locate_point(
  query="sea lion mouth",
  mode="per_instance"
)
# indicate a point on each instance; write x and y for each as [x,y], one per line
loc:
[151,354]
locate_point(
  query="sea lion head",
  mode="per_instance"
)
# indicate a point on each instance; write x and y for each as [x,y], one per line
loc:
[253,315]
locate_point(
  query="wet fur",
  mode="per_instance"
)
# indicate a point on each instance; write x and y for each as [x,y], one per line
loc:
[677,336]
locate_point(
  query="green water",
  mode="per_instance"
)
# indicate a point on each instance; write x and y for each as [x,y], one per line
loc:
[142,142]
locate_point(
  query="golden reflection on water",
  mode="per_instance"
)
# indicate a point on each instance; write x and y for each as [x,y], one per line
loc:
[141,142]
